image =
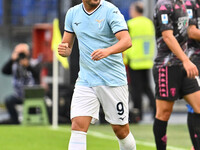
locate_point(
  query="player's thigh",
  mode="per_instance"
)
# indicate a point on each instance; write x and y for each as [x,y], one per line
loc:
[194,100]
[85,103]
[164,109]
[114,101]
[168,84]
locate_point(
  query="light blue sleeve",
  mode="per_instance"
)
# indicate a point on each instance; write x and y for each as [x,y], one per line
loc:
[116,20]
[68,21]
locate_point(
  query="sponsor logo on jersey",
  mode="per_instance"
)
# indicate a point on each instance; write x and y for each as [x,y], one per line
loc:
[182,22]
[164,18]
[77,23]
[190,13]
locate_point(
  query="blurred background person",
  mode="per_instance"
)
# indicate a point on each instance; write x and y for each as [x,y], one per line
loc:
[139,58]
[193,52]
[23,75]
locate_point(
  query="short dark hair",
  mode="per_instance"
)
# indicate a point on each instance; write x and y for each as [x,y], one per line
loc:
[138,5]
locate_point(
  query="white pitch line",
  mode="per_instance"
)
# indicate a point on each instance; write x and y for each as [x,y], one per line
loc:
[109,137]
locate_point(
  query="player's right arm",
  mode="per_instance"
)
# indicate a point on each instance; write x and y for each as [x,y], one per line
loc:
[174,46]
[65,48]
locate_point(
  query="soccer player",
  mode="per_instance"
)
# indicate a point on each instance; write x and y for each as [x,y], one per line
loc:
[174,73]
[193,9]
[102,35]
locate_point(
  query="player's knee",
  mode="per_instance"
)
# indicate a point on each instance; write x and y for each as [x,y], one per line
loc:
[197,109]
[121,131]
[121,134]
[78,126]
[164,115]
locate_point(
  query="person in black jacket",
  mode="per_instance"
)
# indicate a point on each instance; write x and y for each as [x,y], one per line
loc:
[22,75]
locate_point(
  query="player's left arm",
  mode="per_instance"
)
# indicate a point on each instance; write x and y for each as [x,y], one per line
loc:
[123,44]
[193,32]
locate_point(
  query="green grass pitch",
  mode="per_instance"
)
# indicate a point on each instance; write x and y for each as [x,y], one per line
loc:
[100,137]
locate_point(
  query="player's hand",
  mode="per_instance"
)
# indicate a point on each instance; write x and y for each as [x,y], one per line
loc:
[100,54]
[190,68]
[64,50]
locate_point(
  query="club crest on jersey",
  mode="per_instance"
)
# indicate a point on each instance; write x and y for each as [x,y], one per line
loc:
[99,22]
[190,13]
[164,18]
[173,91]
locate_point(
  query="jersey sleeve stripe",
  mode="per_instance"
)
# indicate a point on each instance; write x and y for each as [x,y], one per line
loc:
[121,30]
[69,31]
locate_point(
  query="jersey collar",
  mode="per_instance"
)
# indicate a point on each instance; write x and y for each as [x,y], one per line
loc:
[93,10]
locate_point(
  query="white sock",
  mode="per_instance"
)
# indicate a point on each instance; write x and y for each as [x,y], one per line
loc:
[128,143]
[77,140]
